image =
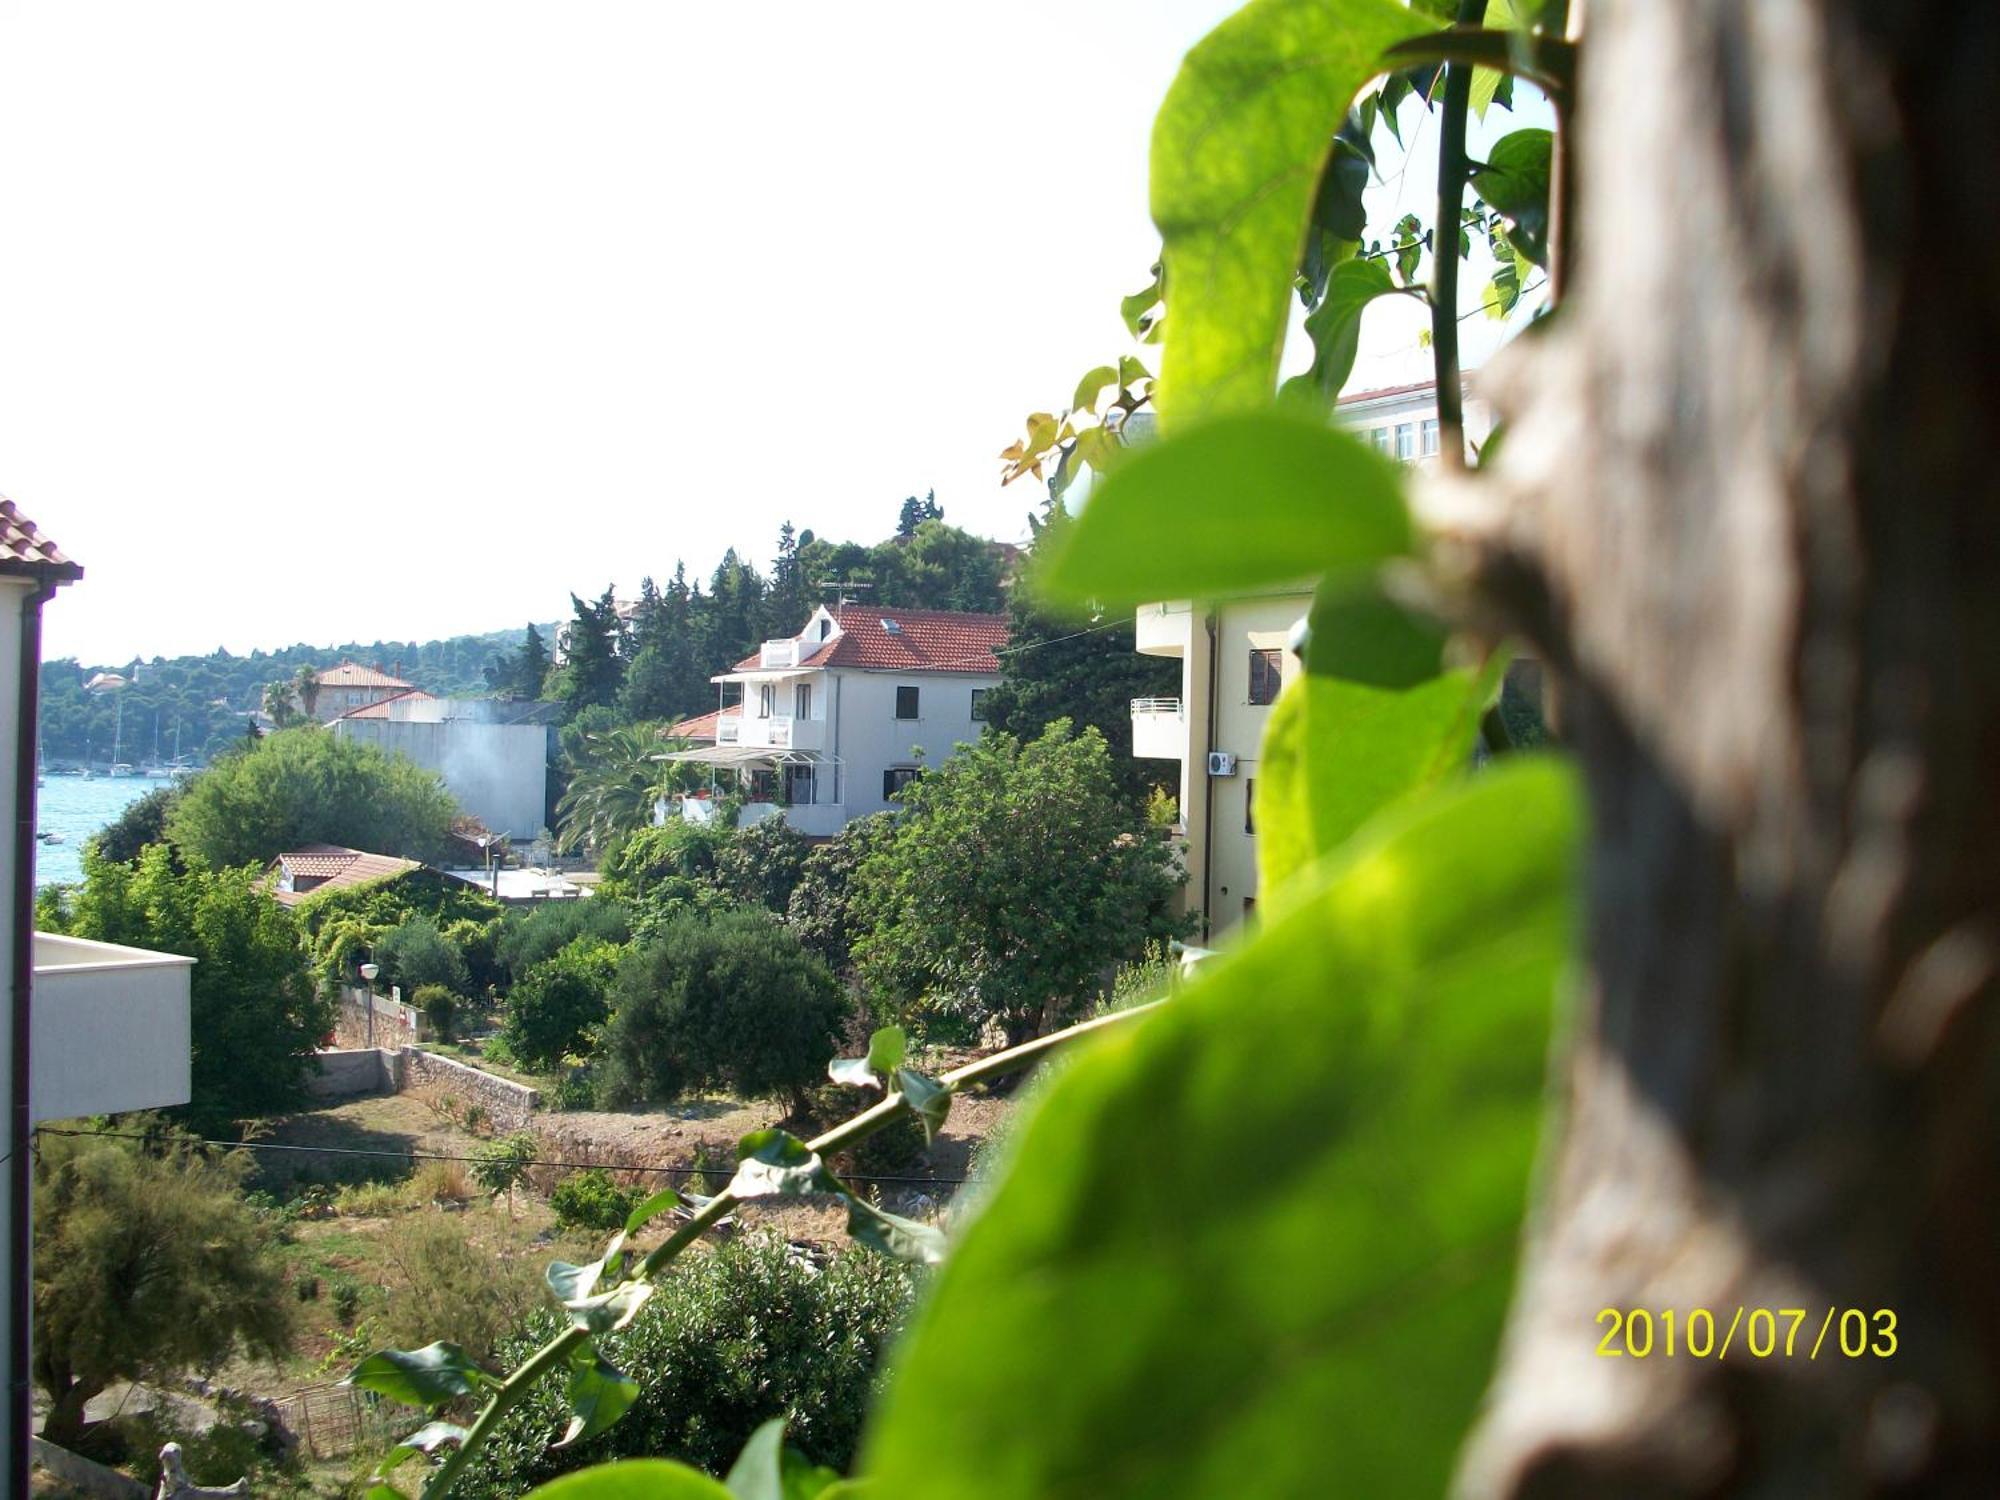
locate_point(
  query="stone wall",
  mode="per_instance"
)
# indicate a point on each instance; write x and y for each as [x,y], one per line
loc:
[508,1105]
[361,1070]
[396,1024]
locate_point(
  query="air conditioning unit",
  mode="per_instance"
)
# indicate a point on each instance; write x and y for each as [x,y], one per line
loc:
[1221,763]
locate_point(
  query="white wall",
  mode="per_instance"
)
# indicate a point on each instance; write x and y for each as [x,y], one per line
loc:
[869,738]
[496,772]
[110,1028]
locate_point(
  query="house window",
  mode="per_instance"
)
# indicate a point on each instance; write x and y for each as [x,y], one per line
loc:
[799,785]
[1406,440]
[825,629]
[1267,672]
[1250,804]
[1430,437]
[1380,438]
[906,703]
[979,705]
[732,695]
[767,700]
[896,778]
[802,701]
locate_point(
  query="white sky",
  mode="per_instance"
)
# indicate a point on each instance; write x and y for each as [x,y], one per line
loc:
[403,318]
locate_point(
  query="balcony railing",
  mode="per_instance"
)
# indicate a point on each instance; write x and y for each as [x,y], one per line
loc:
[1153,707]
[1159,729]
[783,653]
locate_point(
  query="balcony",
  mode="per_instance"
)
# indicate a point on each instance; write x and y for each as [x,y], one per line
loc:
[1159,729]
[110,1028]
[1163,629]
[785,653]
[728,729]
[782,734]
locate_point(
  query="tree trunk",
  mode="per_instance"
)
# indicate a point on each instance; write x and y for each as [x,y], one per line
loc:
[1752,523]
[64,1424]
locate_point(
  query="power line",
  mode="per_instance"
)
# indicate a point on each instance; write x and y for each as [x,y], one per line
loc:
[605,1166]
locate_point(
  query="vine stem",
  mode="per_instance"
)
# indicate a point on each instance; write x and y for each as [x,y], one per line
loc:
[1444,251]
[876,1117]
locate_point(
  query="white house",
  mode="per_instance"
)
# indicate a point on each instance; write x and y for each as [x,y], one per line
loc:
[93,1028]
[825,726]
[1235,658]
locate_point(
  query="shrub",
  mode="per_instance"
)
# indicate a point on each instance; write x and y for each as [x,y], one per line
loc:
[573,1090]
[677,849]
[477,943]
[500,1164]
[451,1288]
[730,1340]
[760,865]
[439,1006]
[439,1182]
[346,1301]
[558,1001]
[731,999]
[821,906]
[591,1200]
[414,955]
[529,937]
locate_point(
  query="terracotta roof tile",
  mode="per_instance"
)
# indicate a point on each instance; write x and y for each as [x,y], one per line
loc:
[922,640]
[24,548]
[334,866]
[353,674]
[700,727]
[379,709]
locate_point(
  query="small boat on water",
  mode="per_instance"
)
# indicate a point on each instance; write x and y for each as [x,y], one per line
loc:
[48,836]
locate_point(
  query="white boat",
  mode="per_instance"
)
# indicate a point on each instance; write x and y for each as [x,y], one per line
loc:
[122,768]
[50,838]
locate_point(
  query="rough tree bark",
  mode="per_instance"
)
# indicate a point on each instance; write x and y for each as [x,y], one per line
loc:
[1753,522]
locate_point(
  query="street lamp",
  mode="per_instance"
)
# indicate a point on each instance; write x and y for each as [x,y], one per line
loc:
[368,973]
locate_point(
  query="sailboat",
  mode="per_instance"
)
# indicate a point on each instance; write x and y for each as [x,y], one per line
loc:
[119,767]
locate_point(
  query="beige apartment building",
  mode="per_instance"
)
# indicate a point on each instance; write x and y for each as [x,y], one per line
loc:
[1236,657]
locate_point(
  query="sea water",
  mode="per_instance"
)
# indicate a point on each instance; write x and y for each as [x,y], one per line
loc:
[77,807]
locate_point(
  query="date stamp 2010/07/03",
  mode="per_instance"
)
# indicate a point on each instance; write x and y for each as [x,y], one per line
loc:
[1761,1332]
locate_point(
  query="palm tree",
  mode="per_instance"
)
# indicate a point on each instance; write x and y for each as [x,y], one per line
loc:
[614,783]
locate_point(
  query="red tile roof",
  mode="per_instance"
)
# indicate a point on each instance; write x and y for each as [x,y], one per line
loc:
[379,709]
[24,549]
[334,866]
[700,727]
[922,640]
[353,674]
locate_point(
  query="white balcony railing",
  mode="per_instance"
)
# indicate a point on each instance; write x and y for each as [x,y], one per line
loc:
[1159,729]
[728,729]
[783,653]
[110,1028]
[783,733]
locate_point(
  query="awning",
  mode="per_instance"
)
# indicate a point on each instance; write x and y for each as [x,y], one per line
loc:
[749,755]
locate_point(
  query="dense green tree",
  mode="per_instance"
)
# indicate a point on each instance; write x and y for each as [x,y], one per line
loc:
[531,935]
[142,822]
[308,785]
[522,673]
[729,999]
[942,567]
[915,512]
[1015,879]
[759,865]
[554,1006]
[593,666]
[785,602]
[734,618]
[821,907]
[255,1016]
[148,1263]
[1068,664]
[614,783]
[414,954]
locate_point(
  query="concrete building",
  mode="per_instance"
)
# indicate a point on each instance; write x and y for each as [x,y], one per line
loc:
[834,721]
[93,1028]
[493,754]
[1236,657]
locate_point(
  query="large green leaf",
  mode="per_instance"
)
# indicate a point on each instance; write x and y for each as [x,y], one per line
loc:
[1237,155]
[428,1376]
[1337,752]
[767,1470]
[599,1394]
[1261,1243]
[633,1479]
[1335,326]
[1238,503]
[1515,180]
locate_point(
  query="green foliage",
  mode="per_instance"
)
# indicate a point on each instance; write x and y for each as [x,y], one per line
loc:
[731,999]
[304,786]
[1014,879]
[528,936]
[390,902]
[522,673]
[1334,325]
[614,779]
[415,955]
[1405,1117]
[148,1262]
[450,1288]
[255,1017]
[555,1006]
[477,944]
[593,642]
[498,1166]
[591,1200]
[1305,499]
[731,1340]
[1238,151]
[439,1007]
[677,851]
[761,865]
[141,823]
[821,911]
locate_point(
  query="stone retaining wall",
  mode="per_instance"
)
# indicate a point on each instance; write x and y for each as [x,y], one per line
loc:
[508,1105]
[344,1073]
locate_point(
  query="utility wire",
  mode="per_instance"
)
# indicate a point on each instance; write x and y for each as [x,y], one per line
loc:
[607,1166]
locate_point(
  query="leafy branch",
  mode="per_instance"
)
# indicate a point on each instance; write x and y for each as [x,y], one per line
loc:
[607,1294]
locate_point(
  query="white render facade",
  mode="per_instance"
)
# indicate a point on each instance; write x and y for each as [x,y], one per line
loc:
[829,726]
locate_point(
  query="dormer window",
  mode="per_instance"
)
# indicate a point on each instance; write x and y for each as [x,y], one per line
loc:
[825,627]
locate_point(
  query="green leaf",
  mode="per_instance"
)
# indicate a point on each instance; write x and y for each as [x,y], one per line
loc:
[1131,371]
[599,1394]
[886,1045]
[1335,327]
[1374,1057]
[607,1312]
[1356,632]
[571,1282]
[1338,752]
[1092,386]
[776,1162]
[633,1479]
[1233,504]
[381,1490]
[1133,309]
[419,1377]
[1238,153]
[651,1208]
[928,1099]
[899,1238]
[1408,238]
[767,1470]
[425,1439]
[1515,180]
